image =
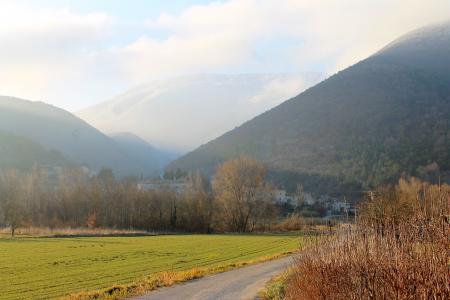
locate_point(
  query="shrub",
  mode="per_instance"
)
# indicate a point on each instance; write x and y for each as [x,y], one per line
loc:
[291,223]
[399,249]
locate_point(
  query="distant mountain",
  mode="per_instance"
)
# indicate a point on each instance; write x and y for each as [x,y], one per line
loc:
[185,112]
[21,153]
[58,130]
[386,115]
[150,157]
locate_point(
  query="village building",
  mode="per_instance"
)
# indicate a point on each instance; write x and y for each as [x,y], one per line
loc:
[176,186]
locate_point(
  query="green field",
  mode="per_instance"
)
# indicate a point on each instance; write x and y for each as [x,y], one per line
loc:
[43,268]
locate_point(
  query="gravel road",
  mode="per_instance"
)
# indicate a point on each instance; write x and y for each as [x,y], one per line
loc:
[243,283]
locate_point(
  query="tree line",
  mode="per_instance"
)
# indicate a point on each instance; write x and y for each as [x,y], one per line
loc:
[238,199]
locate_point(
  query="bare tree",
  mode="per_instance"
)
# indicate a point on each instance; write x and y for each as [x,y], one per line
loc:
[238,185]
[13,198]
[73,199]
[197,204]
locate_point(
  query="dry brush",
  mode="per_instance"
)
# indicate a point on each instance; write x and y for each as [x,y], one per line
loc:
[399,249]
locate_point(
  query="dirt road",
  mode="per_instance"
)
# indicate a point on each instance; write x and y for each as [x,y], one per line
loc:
[243,283]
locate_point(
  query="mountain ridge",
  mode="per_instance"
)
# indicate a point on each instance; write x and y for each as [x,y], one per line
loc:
[57,129]
[364,125]
[150,157]
[160,111]
[20,153]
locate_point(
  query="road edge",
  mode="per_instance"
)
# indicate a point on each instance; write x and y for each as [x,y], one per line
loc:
[166,279]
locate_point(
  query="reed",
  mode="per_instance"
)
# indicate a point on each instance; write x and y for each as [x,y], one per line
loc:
[398,249]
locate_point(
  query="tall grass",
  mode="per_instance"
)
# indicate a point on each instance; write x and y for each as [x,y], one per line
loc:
[399,249]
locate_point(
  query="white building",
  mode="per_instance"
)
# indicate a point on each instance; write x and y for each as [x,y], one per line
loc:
[282,197]
[177,186]
[340,207]
[309,199]
[279,196]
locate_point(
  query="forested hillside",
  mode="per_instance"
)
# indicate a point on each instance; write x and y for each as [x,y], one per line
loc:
[58,130]
[368,124]
[151,158]
[22,153]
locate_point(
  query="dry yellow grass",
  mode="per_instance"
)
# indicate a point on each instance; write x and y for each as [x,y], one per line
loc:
[275,289]
[400,249]
[68,231]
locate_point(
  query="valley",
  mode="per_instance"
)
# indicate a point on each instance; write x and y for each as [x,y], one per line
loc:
[233,149]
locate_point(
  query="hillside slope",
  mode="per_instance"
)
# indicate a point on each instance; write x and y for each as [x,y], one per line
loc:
[21,153]
[184,112]
[57,129]
[149,157]
[365,125]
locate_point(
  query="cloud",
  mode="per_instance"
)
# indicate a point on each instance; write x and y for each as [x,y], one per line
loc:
[282,88]
[54,54]
[45,52]
[206,38]
[332,34]
[348,31]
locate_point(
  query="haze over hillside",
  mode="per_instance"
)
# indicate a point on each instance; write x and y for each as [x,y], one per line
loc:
[365,125]
[47,128]
[21,153]
[185,112]
[151,159]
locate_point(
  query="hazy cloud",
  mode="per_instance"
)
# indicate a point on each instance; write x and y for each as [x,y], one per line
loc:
[340,32]
[73,59]
[44,52]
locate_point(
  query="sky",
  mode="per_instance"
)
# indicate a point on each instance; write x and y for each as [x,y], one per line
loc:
[75,53]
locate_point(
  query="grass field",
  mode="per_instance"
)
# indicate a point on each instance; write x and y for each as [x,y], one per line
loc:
[43,268]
